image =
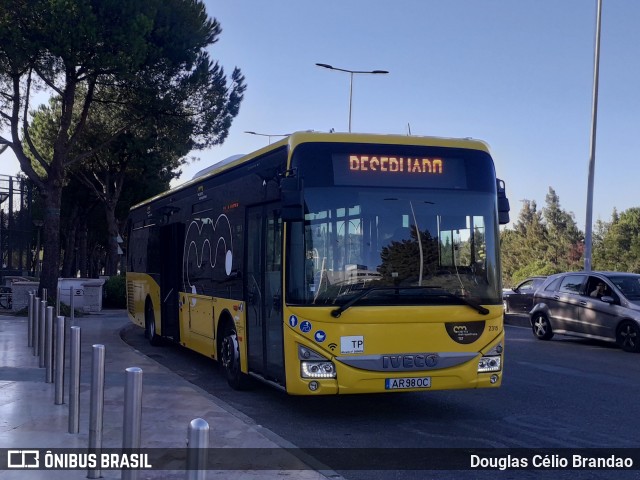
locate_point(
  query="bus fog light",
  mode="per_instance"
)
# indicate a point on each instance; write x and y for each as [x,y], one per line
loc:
[493,379]
[318,370]
[313,386]
[489,364]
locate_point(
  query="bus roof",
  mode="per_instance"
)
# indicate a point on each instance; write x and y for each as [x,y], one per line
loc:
[298,138]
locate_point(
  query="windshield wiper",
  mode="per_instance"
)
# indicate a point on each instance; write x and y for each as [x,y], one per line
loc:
[338,311]
[466,301]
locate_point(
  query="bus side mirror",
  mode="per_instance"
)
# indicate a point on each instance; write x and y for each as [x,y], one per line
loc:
[503,203]
[292,200]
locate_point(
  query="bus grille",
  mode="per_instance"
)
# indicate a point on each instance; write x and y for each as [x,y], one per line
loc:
[130,298]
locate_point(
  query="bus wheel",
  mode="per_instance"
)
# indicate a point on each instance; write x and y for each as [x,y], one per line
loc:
[230,359]
[628,336]
[541,327]
[150,326]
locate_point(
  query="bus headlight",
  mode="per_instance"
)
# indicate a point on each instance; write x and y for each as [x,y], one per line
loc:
[489,364]
[318,369]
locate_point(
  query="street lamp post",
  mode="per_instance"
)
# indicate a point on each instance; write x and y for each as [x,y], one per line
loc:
[588,226]
[268,135]
[351,73]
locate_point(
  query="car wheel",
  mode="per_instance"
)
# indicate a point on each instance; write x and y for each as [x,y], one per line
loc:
[541,327]
[628,336]
[230,359]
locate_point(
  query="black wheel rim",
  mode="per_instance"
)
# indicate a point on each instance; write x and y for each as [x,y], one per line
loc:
[629,336]
[230,353]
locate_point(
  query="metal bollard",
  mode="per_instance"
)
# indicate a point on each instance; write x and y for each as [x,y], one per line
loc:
[48,345]
[42,316]
[131,431]
[74,381]
[30,327]
[197,445]
[44,294]
[58,302]
[36,325]
[73,313]
[59,360]
[96,407]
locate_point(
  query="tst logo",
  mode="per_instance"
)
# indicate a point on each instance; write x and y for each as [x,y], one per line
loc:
[23,459]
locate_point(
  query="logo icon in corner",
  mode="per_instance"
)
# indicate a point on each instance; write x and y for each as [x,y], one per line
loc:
[465,332]
[23,459]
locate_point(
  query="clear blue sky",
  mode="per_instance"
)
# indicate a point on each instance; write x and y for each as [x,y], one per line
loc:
[516,74]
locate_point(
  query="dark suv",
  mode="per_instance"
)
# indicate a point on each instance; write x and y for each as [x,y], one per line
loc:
[599,305]
[520,298]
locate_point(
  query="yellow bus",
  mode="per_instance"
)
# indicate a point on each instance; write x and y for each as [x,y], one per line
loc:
[330,263]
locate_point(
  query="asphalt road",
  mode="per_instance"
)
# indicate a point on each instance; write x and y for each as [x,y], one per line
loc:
[564,393]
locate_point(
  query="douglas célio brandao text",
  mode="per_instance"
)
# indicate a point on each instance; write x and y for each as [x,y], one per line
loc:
[550,461]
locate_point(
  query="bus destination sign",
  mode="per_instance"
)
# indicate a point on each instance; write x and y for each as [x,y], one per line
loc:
[363,163]
[396,170]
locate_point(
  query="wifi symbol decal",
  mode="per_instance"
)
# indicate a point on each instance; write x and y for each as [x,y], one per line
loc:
[332,346]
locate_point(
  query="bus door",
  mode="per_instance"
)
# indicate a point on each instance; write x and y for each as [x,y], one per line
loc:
[263,292]
[171,247]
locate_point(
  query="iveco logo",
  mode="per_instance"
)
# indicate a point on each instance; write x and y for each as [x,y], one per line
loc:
[460,329]
[416,360]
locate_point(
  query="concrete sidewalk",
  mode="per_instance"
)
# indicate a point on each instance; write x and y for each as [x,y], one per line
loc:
[29,417]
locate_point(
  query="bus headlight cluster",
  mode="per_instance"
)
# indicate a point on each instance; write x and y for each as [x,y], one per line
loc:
[489,364]
[318,369]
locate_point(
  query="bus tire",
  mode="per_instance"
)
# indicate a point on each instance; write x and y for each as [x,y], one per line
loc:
[150,326]
[541,327]
[230,358]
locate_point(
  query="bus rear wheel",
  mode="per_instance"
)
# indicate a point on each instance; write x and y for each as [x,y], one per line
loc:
[230,359]
[150,326]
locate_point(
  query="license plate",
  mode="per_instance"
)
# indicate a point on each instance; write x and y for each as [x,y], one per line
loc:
[410,382]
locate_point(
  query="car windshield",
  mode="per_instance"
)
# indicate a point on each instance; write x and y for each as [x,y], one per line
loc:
[435,245]
[629,285]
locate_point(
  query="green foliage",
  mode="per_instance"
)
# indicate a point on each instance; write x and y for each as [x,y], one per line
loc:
[617,243]
[115,292]
[547,242]
[541,243]
[116,68]
[535,268]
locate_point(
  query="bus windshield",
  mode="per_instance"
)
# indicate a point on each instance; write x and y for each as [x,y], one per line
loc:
[428,246]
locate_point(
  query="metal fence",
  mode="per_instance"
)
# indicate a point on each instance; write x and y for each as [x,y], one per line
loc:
[18,251]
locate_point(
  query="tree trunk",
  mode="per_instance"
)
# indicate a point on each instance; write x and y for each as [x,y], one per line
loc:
[51,243]
[111,267]
[70,245]
[83,263]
